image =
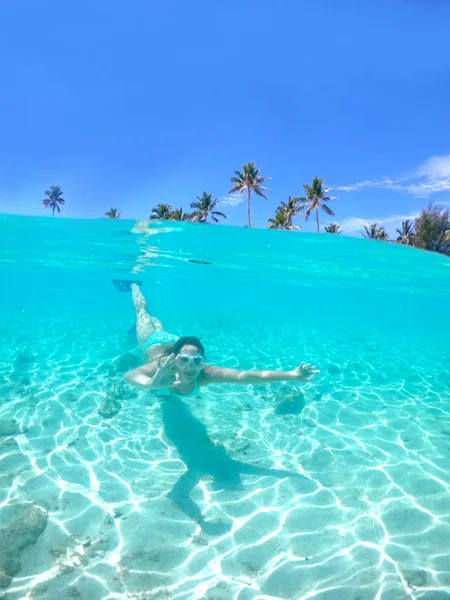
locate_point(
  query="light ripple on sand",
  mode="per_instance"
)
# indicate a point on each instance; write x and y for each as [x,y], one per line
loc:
[371,518]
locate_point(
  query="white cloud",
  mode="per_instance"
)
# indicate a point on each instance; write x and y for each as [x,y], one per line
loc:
[353,224]
[232,200]
[431,177]
[362,185]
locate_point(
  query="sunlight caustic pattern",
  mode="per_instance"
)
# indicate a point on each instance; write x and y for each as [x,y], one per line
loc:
[339,488]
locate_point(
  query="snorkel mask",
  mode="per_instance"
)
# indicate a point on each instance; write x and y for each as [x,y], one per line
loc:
[196,360]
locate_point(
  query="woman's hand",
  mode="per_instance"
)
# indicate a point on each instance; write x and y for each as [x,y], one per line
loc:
[165,375]
[304,372]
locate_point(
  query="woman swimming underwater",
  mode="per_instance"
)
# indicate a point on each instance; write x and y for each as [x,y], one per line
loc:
[178,365]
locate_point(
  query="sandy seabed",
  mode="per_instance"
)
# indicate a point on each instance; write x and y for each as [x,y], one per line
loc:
[335,490]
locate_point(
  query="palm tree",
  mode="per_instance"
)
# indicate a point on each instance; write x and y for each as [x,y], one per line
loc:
[333,228]
[447,235]
[204,208]
[53,198]
[279,221]
[316,197]
[113,213]
[375,233]
[162,211]
[179,215]
[284,215]
[292,209]
[406,233]
[250,180]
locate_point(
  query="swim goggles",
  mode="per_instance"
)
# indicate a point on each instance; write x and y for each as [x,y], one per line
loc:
[197,360]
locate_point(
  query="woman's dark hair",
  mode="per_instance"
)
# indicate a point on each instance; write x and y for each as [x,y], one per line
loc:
[186,341]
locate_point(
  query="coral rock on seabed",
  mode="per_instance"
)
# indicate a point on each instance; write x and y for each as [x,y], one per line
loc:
[292,402]
[30,523]
[109,409]
[415,579]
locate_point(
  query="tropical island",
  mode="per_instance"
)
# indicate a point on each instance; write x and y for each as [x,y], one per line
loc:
[430,230]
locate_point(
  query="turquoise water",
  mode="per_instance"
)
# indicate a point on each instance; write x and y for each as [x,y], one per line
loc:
[334,489]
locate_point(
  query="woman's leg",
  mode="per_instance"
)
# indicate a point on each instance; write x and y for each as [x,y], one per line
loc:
[146,325]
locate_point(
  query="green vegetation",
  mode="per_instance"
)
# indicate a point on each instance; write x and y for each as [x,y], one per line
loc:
[249,180]
[333,228]
[53,198]
[179,215]
[113,213]
[204,209]
[316,197]
[375,233]
[406,233]
[279,221]
[162,211]
[284,215]
[429,231]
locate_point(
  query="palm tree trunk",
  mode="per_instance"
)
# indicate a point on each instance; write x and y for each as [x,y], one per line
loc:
[248,208]
[53,211]
[317,220]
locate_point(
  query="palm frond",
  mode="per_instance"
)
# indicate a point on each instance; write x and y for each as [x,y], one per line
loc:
[327,209]
[113,213]
[333,228]
[369,233]
[53,198]
[204,208]
[162,211]
[249,179]
[316,197]
[308,211]
[375,233]
[238,187]
[258,192]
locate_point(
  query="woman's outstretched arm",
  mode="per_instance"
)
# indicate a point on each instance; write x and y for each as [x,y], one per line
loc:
[304,372]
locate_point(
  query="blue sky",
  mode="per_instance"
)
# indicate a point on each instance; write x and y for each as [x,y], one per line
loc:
[129,103]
